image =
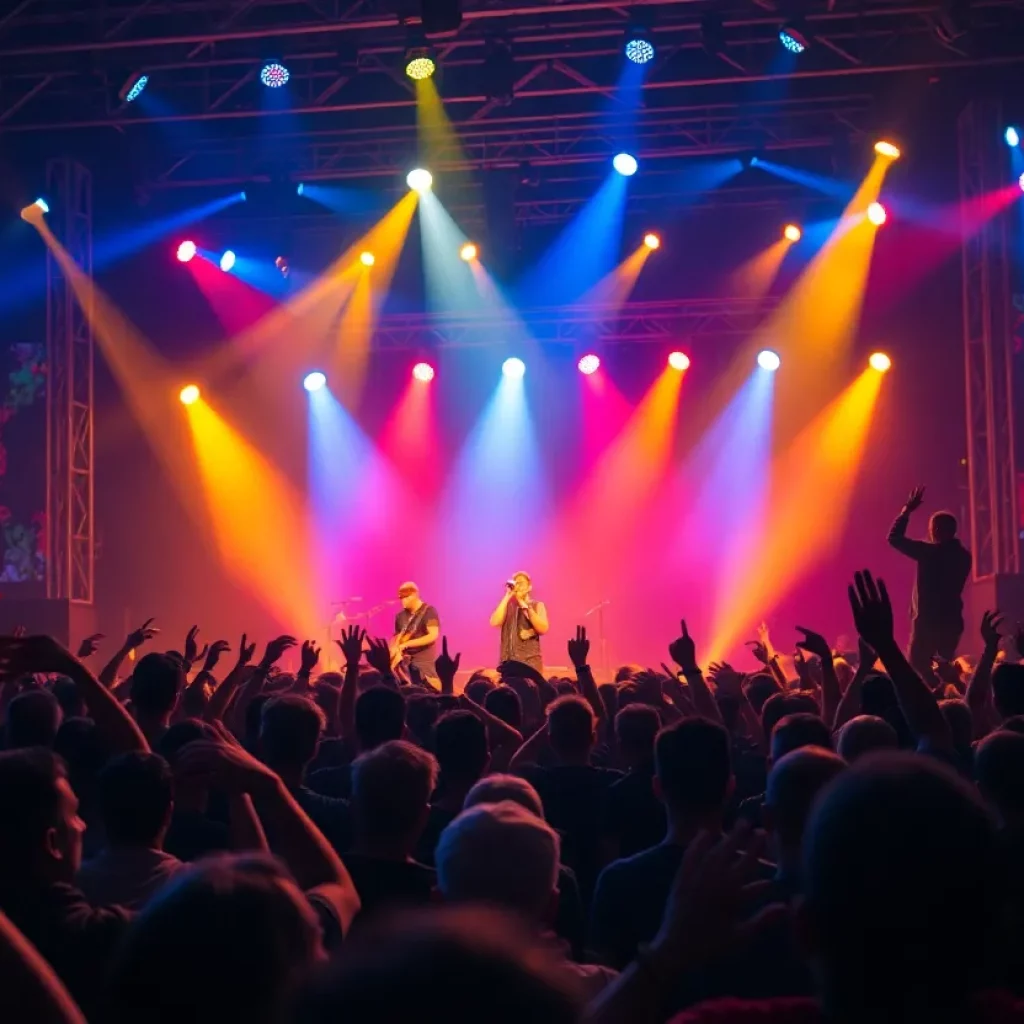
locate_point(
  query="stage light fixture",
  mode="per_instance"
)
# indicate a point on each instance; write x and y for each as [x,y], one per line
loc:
[419,65]
[419,179]
[274,74]
[639,48]
[589,364]
[652,241]
[42,205]
[314,381]
[792,233]
[498,71]
[186,252]
[513,367]
[133,87]
[768,360]
[301,188]
[189,394]
[1012,136]
[877,214]
[625,164]
[468,252]
[282,265]
[879,361]
[367,259]
[423,372]
[793,36]
[887,149]
[1020,182]
[227,261]
[679,361]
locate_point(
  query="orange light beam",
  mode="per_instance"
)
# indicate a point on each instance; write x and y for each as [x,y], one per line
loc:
[617,285]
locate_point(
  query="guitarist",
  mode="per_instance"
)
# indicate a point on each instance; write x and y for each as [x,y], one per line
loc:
[417,627]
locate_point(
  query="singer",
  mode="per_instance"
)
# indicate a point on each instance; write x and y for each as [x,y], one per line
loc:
[522,621]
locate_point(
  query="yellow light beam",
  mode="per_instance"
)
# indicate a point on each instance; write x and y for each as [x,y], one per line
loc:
[439,146]
[756,277]
[810,490]
[617,285]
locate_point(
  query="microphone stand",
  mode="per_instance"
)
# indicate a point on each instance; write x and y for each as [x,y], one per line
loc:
[601,638]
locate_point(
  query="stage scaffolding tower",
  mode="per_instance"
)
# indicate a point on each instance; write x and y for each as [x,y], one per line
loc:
[71,534]
[988,350]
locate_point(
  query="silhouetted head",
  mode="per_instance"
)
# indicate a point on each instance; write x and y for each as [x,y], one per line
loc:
[172,964]
[693,767]
[380,716]
[391,788]
[865,734]
[33,719]
[571,727]
[503,702]
[290,731]
[1008,689]
[636,727]
[999,770]
[779,705]
[156,683]
[460,744]
[960,721]
[942,527]
[136,797]
[883,908]
[493,789]
[758,688]
[802,729]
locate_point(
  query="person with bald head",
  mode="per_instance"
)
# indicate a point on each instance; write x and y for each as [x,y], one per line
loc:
[417,627]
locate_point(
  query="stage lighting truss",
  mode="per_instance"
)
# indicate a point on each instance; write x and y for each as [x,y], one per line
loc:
[274,74]
[419,63]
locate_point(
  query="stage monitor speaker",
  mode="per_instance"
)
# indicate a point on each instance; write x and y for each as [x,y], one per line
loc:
[64,621]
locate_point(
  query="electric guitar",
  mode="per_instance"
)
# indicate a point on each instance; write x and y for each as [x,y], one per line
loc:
[396,647]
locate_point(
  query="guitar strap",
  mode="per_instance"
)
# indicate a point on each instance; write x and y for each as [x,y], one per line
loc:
[414,623]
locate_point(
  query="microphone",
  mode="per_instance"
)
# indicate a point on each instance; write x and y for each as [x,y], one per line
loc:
[510,584]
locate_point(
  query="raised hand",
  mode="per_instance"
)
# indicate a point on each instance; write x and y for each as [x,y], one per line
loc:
[378,656]
[275,649]
[89,645]
[446,666]
[990,626]
[872,610]
[682,650]
[916,499]
[351,644]
[814,643]
[246,651]
[759,651]
[579,648]
[192,652]
[213,654]
[137,637]
[866,655]
[802,671]
[22,656]
[727,680]
[309,656]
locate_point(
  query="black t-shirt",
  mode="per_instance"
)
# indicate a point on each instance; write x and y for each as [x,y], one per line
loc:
[426,616]
[636,815]
[388,884]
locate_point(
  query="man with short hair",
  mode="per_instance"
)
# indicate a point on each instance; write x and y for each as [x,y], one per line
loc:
[505,856]
[391,788]
[40,853]
[864,734]
[943,567]
[136,800]
[637,816]
[417,627]
[156,683]
[33,718]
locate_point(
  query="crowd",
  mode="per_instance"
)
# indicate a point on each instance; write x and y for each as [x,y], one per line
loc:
[831,837]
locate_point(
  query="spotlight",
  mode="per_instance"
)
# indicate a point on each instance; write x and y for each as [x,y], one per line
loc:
[133,88]
[625,164]
[877,214]
[1012,136]
[282,265]
[42,205]
[1020,182]
[314,381]
[419,65]
[189,394]
[301,189]
[468,252]
[227,261]
[652,241]
[884,148]
[186,252]
[679,361]
[879,361]
[768,360]
[419,179]
[274,74]
[638,49]
[367,259]
[792,233]
[589,364]
[513,367]
[423,372]
[793,36]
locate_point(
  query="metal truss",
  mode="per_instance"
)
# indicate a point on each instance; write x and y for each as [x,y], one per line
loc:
[988,350]
[675,321]
[70,571]
[716,86]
